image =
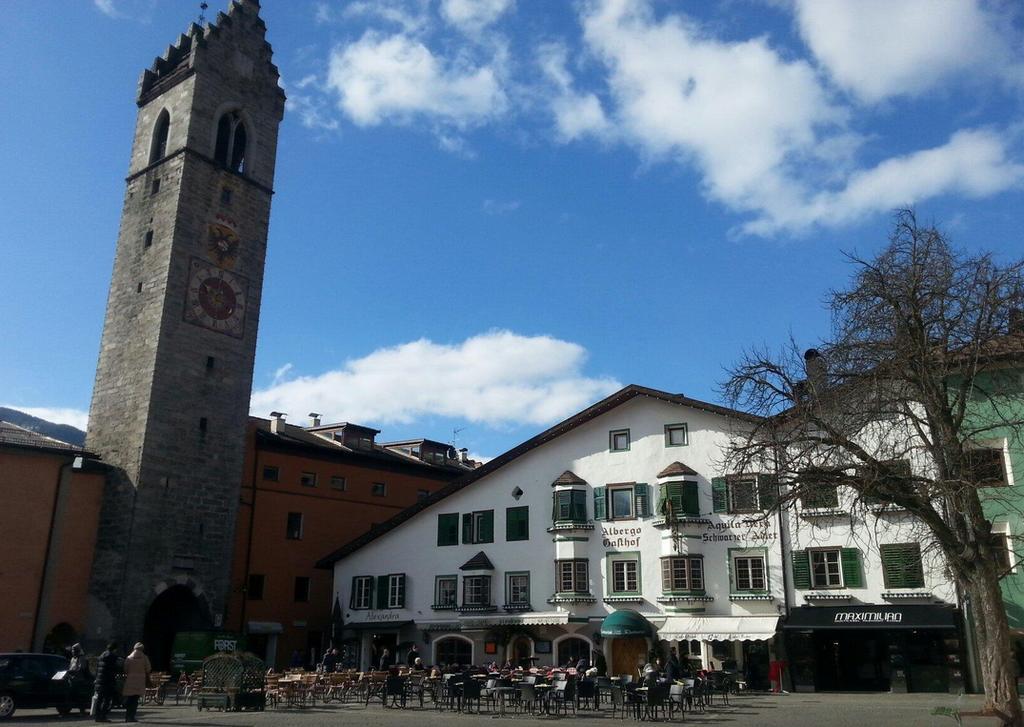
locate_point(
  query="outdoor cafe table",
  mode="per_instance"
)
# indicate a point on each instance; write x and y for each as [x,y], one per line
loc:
[544,692]
[503,693]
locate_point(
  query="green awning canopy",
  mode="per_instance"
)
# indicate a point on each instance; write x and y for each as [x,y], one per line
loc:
[625,623]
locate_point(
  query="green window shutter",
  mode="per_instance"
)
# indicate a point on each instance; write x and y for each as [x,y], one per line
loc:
[467,527]
[767,491]
[600,511]
[662,499]
[732,582]
[901,565]
[486,534]
[689,497]
[852,575]
[382,591]
[401,591]
[801,570]
[555,500]
[448,529]
[719,496]
[352,594]
[642,499]
[517,523]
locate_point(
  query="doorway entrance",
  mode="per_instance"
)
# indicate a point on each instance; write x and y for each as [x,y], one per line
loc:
[629,654]
[176,609]
[520,652]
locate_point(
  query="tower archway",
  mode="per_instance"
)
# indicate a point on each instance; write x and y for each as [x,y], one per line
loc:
[175,609]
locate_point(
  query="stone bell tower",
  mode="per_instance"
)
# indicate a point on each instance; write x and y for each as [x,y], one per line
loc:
[171,396]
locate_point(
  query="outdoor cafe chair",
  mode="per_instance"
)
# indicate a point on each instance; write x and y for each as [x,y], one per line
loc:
[677,698]
[415,686]
[394,690]
[527,699]
[586,694]
[655,699]
[563,696]
[471,692]
[618,699]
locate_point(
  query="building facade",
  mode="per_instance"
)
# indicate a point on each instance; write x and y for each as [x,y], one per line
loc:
[609,534]
[171,396]
[871,605]
[51,494]
[306,490]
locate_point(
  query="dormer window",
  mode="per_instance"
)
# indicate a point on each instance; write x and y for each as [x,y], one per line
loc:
[231,142]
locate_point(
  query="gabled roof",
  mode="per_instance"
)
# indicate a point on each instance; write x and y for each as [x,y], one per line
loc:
[14,436]
[569,478]
[617,399]
[677,469]
[480,561]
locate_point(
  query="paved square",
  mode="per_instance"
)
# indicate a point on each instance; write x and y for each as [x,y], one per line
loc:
[792,710]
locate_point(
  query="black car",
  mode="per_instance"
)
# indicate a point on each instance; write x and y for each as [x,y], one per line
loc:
[26,682]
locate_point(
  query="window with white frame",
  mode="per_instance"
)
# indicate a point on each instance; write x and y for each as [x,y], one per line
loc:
[476,590]
[986,466]
[517,589]
[749,572]
[826,568]
[682,574]
[573,576]
[621,502]
[445,590]
[396,590]
[624,573]
[743,494]
[1002,551]
[362,592]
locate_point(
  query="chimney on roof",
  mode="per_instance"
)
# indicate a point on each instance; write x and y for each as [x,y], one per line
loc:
[277,422]
[1016,321]
[464,455]
[817,371]
[314,419]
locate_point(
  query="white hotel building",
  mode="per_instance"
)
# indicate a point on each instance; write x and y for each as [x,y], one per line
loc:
[610,531]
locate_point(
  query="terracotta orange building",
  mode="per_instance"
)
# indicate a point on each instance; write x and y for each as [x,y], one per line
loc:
[51,493]
[304,491]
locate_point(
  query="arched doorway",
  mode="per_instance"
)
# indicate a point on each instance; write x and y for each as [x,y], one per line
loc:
[571,650]
[628,636]
[175,609]
[453,651]
[60,639]
[520,651]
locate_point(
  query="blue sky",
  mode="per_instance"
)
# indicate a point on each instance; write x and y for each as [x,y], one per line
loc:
[491,213]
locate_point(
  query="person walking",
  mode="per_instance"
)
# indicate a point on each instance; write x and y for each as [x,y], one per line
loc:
[136,674]
[414,654]
[330,661]
[105,686]
[385,660]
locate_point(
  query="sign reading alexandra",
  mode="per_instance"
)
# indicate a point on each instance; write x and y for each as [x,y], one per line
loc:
[868,617]
[382,616]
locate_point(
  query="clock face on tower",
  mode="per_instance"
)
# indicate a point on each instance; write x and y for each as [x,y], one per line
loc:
[216,298]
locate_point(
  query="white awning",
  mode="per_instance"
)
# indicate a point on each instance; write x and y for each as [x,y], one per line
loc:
[549,618]
[718,628]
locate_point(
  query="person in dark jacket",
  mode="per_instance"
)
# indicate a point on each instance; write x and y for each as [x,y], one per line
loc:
[105,686]
[673,669]
[385,660]
[414,654]
[330,662]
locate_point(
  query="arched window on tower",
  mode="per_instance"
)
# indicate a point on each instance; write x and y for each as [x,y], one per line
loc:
[158,148]
[231,142]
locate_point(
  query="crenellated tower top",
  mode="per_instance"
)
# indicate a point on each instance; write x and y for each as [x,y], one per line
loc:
[240,28]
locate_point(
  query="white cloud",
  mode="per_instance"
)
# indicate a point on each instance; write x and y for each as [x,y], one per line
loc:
[397,78]
[74,417]
[973,162]
[306,99]
[107,7]
[473,16]
[576,114]
[737,109]
[501,207]
[879,48]
[495,378]
[412,16]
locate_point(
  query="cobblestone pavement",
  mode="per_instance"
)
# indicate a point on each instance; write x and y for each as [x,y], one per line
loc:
[792,710]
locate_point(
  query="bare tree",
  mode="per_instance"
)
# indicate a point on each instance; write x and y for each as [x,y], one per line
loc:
[895,404]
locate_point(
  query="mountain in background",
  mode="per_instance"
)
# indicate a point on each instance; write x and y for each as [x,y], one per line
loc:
[63,432]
